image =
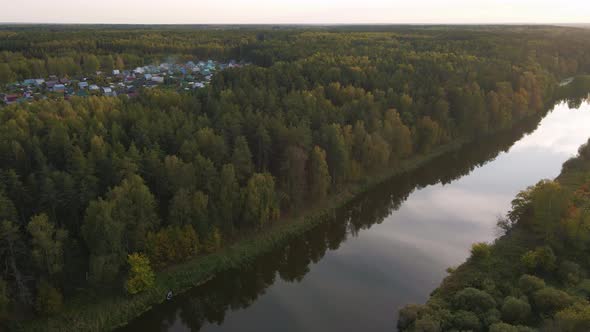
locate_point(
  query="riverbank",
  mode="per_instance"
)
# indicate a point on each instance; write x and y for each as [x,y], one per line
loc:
[533,277]
[110,312]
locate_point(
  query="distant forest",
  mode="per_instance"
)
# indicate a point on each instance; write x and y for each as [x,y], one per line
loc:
[100,192]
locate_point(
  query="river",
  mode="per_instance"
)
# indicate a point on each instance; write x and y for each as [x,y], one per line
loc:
[389,247]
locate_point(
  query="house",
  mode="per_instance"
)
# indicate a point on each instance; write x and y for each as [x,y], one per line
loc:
[50,84]
[158,79]
[148,76]
[93,87]
[139,70]
[116,72]
[107,91]
[39,81]
[29,81]
[59,88]
[64,81]
[83,85]
[10,99]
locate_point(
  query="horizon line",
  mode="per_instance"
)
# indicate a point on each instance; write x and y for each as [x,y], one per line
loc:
[300,24]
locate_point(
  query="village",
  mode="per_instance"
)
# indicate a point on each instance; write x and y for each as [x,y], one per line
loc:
[182,77]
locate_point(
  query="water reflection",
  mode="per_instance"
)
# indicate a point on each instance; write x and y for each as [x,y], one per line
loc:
[399,252]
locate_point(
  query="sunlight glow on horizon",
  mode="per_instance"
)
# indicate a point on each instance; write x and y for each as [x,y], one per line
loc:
[295,11]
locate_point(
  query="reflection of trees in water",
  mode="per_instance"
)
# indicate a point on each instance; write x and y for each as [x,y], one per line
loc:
[575,93]
[238,289]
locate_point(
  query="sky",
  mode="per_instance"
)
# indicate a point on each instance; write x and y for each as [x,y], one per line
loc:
[294,11]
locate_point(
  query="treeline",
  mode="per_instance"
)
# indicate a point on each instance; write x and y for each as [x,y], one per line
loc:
[533,278]
[92,185]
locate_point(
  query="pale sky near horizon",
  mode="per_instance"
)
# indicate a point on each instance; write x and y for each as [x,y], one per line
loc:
[294,11]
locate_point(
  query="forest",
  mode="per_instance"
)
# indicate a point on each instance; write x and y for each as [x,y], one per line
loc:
[98,194]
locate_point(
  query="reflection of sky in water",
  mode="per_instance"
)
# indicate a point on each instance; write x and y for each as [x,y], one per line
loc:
[360,286]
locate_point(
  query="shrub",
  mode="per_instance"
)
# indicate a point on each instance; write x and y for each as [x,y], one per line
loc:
[491,316]
[473,299]
[550,300]
[530,284]
[141,276]
[569,272]
[542,258]
[583,288]
[428,323]
[480,251]
[49,299]
[574,318]
[213,242]
[4,301]
[503,327]
[515,310]
[466,320]
[408,315]
[173,244]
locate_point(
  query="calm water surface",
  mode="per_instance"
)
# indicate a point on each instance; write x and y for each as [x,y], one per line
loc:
[389,248]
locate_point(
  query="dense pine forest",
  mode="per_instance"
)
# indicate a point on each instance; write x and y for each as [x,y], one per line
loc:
[101,193]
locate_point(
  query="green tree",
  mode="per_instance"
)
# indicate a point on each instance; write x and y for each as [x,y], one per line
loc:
[228,197]
[408,315]
[515,310]
[13,253]
[242,159]
[530,284]
[294,175]
[172,244]
[7,208]
[542,258]
[141,277]
[473,299]
[319,175]
[6,74]
[574,318]
[428,134]
[550,300]
[4,301]
[104,237]
[398,135]
[134,206]
[549,203]
[49,299]
[90,63]
[464,320]
[336,153]
[480,251]
[188,208]
[213,241]
[260,200]
[48,244]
